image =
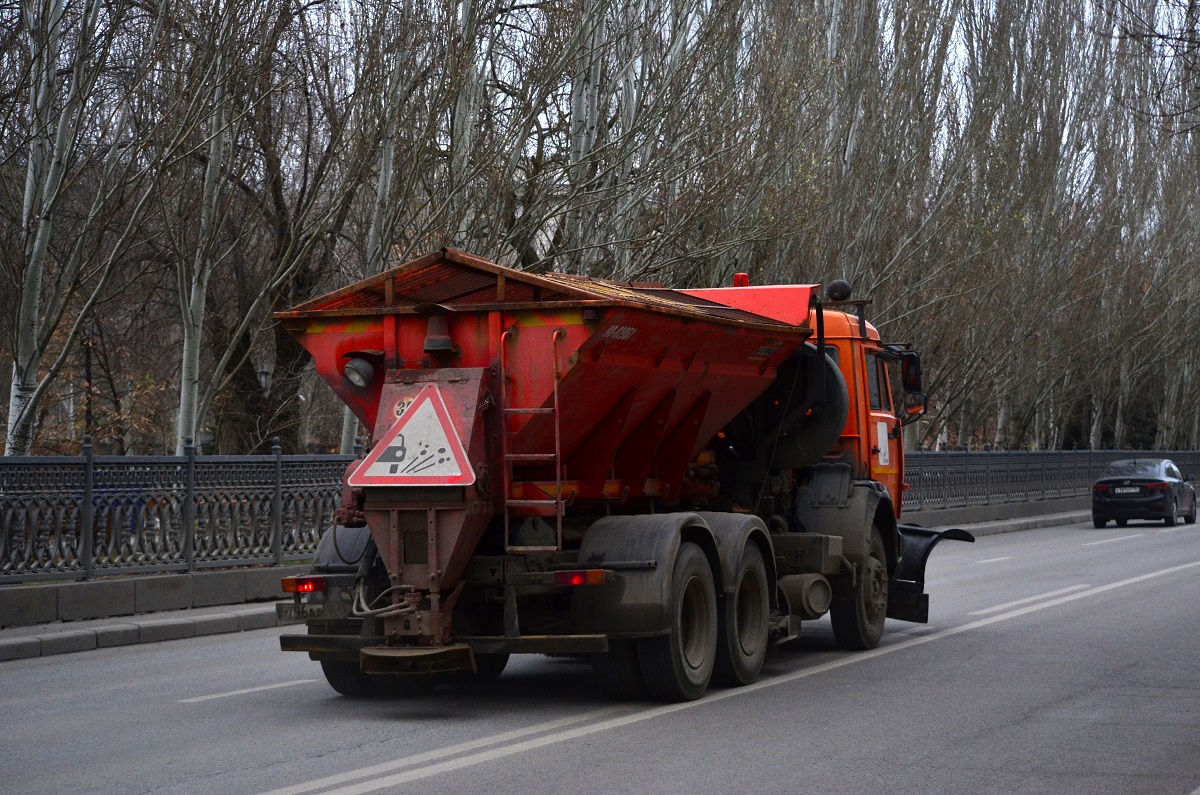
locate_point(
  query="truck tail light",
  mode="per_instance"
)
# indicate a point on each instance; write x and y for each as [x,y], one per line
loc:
[302,584]
[581,577]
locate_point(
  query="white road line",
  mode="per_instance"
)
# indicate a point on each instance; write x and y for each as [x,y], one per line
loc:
[995,560]
[667,709]
[1110,540]
[244,692]
[1172,530]
[1026,600]
[441,753]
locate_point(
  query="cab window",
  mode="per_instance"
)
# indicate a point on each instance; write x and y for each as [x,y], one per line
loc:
[879,394]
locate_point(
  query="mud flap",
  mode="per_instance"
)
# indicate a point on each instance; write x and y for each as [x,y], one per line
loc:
[907,600]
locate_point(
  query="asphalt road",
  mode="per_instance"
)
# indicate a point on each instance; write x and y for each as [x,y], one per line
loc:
[1062,660]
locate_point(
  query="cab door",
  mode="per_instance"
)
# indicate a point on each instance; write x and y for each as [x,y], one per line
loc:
[883,436]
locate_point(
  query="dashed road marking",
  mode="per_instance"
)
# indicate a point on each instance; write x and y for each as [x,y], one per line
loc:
[1110,540]
[244,691]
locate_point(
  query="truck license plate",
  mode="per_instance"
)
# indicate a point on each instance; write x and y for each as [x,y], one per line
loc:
[1126,490]
[292,612]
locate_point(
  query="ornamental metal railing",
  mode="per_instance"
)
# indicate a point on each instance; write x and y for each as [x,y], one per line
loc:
[157,514]
[962,479]
[185,513]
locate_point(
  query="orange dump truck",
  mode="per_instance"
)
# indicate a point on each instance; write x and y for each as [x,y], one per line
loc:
[665,481]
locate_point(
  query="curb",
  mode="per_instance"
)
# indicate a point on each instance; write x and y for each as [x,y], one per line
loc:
[1029,523]
[27,642]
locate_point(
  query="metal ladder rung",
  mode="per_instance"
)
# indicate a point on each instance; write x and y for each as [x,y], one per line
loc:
[532,503]
[526,458]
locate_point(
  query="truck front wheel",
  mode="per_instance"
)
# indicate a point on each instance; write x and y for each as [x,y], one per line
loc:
[858,622]
[678,666]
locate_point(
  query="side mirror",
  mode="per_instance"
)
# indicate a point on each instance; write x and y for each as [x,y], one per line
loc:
[910,373]
[1188,478]
[915,403]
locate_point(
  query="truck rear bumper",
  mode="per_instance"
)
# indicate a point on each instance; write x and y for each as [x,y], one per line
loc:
[363,647]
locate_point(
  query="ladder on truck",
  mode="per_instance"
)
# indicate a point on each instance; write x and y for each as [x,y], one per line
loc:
[510,458]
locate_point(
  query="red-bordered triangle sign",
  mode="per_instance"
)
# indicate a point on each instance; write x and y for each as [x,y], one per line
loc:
[421,449]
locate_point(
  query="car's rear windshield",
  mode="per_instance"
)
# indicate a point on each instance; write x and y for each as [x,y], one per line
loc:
[1133,467]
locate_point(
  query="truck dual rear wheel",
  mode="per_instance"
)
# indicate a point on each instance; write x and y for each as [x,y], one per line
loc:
[744,623]
[678,666]
[858,622]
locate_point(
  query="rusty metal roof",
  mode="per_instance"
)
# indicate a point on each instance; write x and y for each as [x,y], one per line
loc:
[456,280]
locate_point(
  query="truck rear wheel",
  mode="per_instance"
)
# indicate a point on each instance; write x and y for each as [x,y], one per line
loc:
[744,623]
[488,667]
[679,665]
[346,678]
[858,622]
[617,671]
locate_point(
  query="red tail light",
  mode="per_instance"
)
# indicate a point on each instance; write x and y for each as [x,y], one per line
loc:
[1101,488]
[581,577]
[302,584]
[1158,486]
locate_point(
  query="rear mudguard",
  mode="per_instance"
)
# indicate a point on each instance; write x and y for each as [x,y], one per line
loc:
[641,550]
[907,600]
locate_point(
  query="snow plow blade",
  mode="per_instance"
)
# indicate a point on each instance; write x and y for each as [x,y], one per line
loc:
[907,600]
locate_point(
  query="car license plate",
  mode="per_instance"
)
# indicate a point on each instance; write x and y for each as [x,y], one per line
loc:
[319,611]
[1126,490]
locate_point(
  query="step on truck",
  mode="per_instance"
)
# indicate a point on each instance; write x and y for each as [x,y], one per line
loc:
[664,481]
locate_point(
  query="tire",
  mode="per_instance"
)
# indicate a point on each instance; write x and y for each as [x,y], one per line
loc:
[1169,519]
[1098,523]
[617,671]
[345,677]
[679,665]
[488,667]
[858,622]
[743,623]
[1190,517]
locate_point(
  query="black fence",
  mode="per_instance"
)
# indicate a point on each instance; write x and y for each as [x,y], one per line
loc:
[184,513]
[161,513]
[962,479]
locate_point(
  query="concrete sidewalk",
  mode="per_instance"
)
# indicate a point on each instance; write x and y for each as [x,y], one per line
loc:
[70,636]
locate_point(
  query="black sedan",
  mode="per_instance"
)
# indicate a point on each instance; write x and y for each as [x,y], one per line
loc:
[1143,488]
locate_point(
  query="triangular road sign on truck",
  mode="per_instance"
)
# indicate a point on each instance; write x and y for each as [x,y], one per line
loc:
[422,449]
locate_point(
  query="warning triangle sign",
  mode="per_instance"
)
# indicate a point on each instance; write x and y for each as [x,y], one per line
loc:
[421,449]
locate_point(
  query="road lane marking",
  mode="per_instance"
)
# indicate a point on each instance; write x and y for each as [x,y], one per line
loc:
[243,691]
[667,709]
[429,756]
[1026,600]
[1171,529]
[1110,540]
[995,560]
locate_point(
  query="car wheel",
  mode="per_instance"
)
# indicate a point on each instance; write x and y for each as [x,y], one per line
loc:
[1190,516]
[1169,520]
[1097,522]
